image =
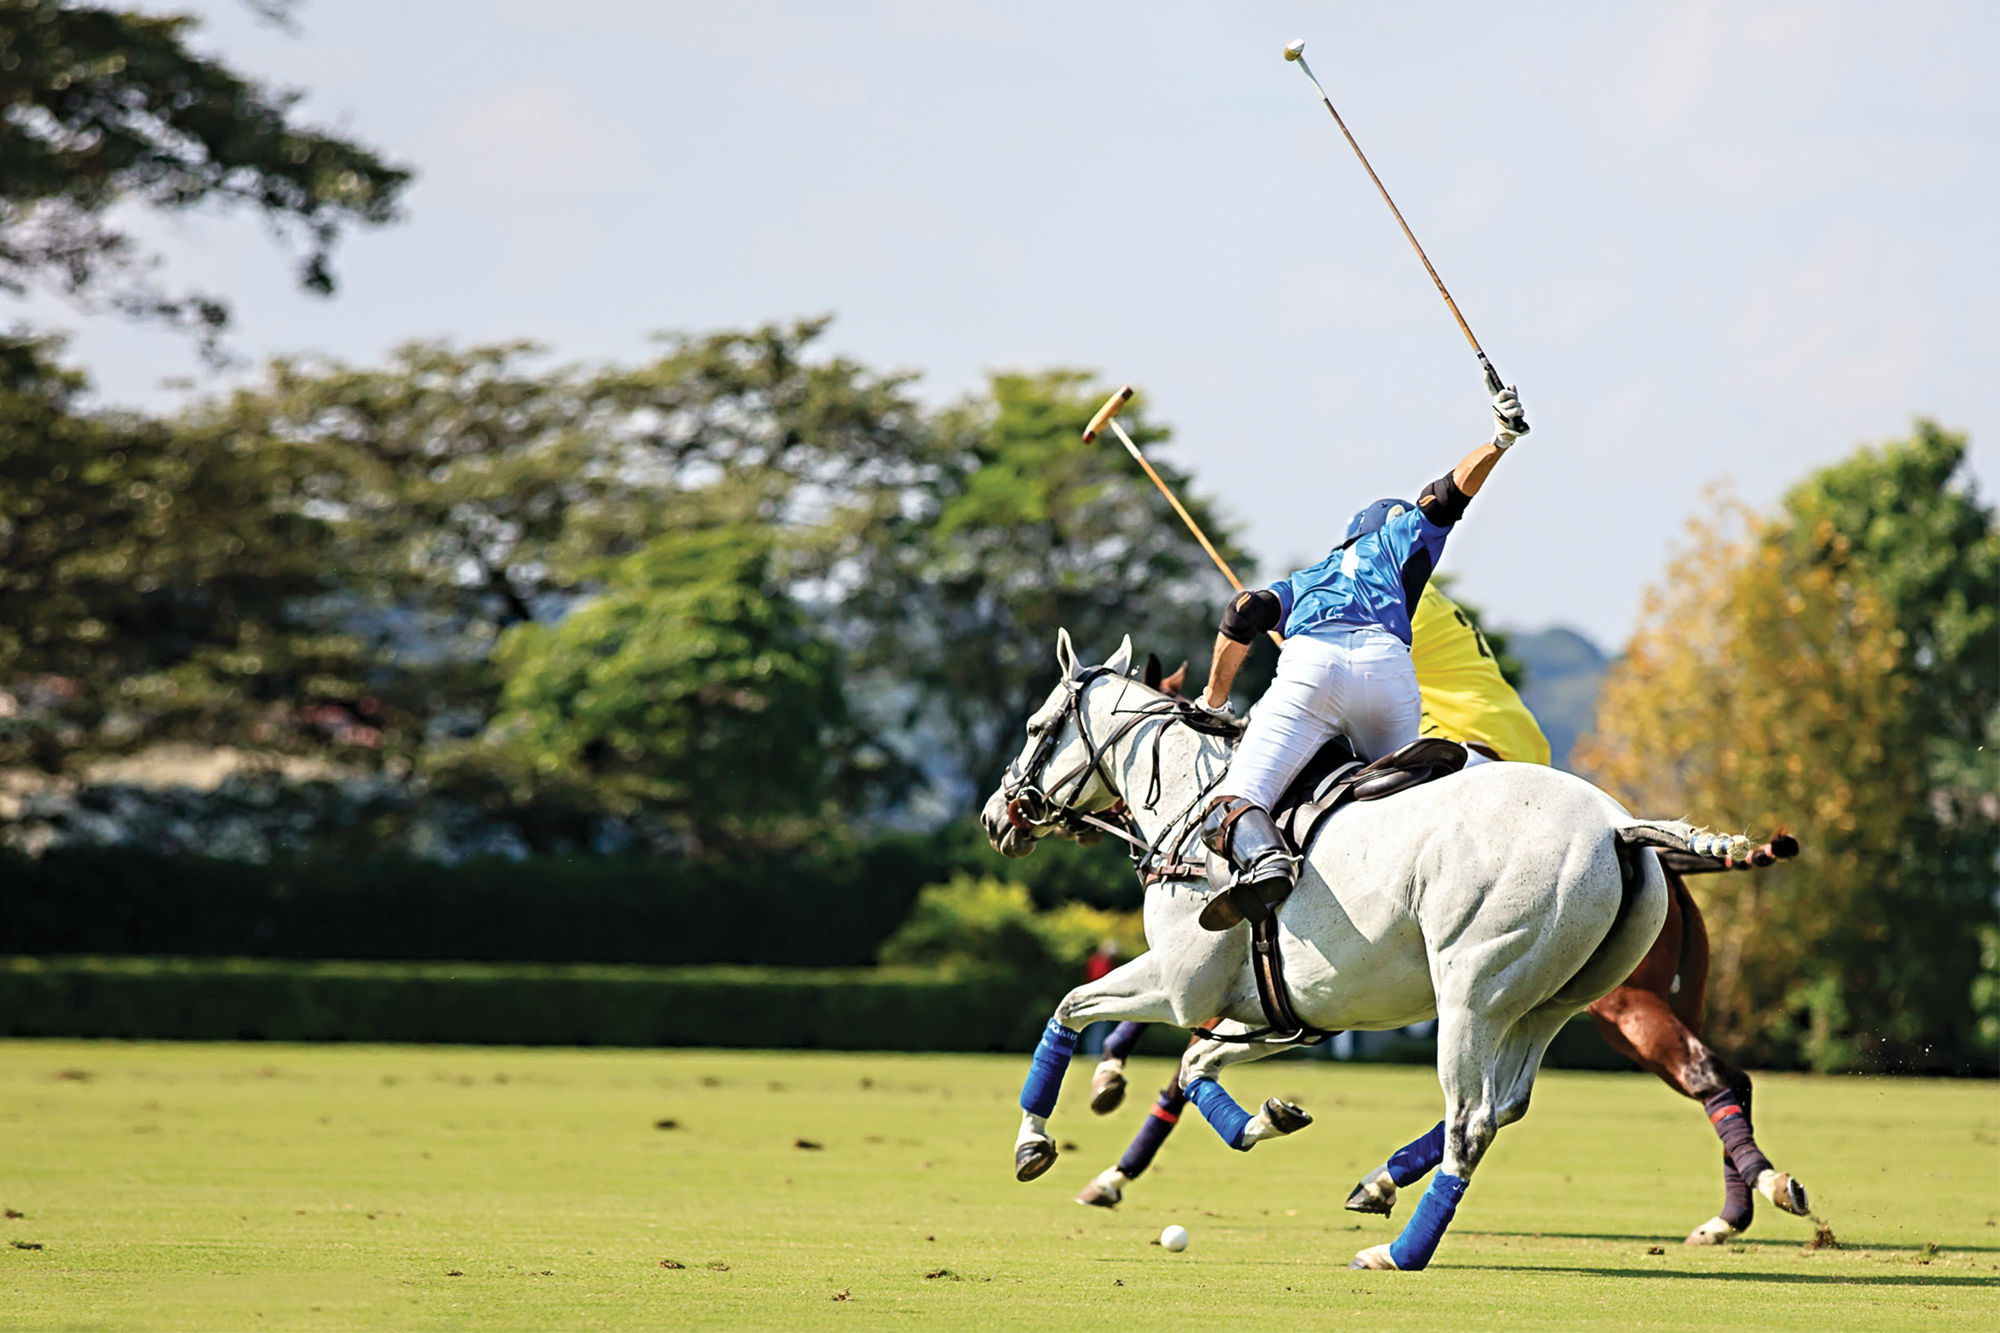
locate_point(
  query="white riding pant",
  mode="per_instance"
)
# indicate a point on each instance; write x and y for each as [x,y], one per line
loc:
[1357,681]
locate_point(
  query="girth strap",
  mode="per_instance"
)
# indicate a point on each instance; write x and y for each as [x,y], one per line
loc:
[1267,965]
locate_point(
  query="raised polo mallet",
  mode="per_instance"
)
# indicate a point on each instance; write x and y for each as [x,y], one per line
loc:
[1107,415]
[1296,51]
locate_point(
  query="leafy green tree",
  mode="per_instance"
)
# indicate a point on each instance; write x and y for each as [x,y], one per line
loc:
[691,689]
[1024,529]
[149,586]
[103,110]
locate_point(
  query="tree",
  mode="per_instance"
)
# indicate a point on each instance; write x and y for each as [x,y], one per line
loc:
[1799,670]
[103,109]
[1022,530]
[691,689]
[149,587]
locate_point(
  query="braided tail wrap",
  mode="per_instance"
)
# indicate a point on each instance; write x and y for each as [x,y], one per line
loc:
[1677,836]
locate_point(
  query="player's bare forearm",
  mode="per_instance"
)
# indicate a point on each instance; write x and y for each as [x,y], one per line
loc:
[1470,474]
[1222,669]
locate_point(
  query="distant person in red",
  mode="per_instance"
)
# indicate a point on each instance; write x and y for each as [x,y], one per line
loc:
[1102,960]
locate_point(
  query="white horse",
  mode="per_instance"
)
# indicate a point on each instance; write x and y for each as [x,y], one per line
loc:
[1501,900]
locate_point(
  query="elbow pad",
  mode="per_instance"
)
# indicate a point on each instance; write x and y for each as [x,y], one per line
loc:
[1250,614]
[1442,502]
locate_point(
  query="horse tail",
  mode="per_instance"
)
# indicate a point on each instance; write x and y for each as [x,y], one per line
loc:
[1677,836]
[1585,986]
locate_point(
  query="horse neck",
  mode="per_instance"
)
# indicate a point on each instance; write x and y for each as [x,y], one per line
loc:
[1188,759]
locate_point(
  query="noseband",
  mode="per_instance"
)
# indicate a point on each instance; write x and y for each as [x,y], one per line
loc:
[1029,806]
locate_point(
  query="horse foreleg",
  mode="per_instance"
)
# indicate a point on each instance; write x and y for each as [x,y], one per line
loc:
[1129,992]
[1201,1066]
[1107,1082]
[1107,1188]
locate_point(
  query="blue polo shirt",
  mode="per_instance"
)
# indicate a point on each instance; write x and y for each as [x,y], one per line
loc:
[1375,581]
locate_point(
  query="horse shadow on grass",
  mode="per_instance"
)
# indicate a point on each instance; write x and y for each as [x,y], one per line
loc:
[1788,1279]
[1745,1242]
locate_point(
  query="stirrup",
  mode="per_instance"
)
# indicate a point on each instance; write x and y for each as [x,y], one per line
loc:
[1241,902]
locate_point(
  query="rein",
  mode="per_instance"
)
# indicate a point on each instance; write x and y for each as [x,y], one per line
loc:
[1030,806]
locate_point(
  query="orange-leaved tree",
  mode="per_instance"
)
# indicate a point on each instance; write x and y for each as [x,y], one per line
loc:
[1762,691]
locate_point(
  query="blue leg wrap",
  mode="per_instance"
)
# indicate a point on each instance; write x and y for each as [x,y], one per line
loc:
[1217,1107]
[1045,1072]
[1417,1160]
[1413,1249]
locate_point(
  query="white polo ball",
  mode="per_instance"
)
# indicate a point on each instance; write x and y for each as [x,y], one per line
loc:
[1174,1238]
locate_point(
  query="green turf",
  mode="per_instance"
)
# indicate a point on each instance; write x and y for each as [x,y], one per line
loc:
[252,1186]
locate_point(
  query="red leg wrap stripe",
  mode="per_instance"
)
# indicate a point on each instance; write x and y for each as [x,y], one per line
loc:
[1718,1116]
[1162,1113]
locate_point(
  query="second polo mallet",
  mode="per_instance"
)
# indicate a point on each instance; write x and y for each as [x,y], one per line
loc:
[1296,51]
[1107,415]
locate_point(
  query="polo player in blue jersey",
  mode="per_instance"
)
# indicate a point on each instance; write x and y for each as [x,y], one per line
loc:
[1345,667]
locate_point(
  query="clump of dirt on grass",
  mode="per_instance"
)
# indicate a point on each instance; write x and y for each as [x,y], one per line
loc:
[1823,1237]
[943,1272]
[13,1213]
[672,1263]
[74,1075]
[666,1124]
[1654,1249]
[809,1145]
[719,1266]
[26,1244]
[840,1295]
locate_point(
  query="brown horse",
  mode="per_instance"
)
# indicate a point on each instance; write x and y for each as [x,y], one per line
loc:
[1654,1019]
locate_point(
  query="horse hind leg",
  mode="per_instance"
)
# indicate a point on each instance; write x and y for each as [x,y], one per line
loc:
[1488,1072]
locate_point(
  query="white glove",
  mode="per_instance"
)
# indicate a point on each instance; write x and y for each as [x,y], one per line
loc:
[1510,423]
[1226,709]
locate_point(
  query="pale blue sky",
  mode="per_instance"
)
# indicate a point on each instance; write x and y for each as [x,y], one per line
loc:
[1707,240]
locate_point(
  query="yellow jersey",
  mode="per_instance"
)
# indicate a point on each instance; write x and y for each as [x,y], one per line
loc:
[1466,699]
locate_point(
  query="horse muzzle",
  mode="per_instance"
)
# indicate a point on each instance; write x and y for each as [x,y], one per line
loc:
[1010,825]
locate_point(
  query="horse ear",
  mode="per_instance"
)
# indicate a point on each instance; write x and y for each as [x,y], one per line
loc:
[1065,653]
[1172,684]
[1121,661]
[1151,677]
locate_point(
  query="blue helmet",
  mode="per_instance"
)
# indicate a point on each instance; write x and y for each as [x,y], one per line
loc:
[1374,516]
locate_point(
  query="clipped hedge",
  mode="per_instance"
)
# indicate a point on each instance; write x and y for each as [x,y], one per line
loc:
[841,1009]
[830,908]
[253,999]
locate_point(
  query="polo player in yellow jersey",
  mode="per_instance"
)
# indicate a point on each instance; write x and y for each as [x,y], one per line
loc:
[1465,699]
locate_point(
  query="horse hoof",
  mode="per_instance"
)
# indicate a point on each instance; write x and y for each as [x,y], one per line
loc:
[1714,1231]
[1103,1192]
[1107,1087]
[1377,1194]
[1033,1158]
[1285,1117]
[1375,1257]
[1786,1194]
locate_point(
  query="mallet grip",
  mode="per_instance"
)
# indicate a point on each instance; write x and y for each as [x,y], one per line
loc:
[1104,414]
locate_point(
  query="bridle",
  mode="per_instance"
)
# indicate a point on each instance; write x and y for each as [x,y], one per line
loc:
[1030,804]
[1033,805]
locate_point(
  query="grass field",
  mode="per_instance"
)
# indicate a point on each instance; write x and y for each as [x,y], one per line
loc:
[241,1186]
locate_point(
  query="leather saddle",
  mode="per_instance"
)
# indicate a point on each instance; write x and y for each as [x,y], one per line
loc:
[1334,778]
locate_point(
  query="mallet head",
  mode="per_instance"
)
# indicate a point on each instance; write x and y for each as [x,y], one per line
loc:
[1295,48]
